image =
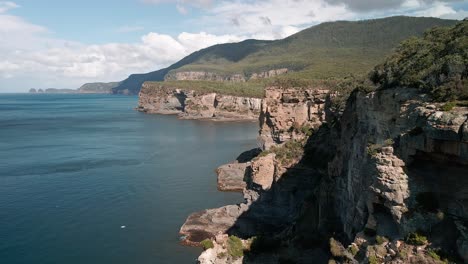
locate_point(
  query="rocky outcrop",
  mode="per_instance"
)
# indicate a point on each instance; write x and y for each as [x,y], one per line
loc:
[288,114]
[231,176]
[392,165]
[191,104]
[269,74]
[220,77]
[203,76]
[401,164]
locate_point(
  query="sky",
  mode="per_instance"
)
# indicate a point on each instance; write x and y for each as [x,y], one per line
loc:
[64,44]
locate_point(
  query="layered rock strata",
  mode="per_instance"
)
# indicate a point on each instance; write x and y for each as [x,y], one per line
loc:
[288,113]
[220,77]
[394,164]
[190,104]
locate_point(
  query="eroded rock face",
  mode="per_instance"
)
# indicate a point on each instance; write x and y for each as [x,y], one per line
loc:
[231,176]
[203,76]
[395,145]
[269,74]
[189,104]
[263,172]
[389,147]
[287,112]
[213,76]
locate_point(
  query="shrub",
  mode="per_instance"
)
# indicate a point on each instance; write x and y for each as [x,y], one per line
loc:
[289,151]
[373,260]
[448,106]
[433,254]
[373,149]
[403,253]
[234,247]
[207,243]
[353,250]
[306,130]
[416,239]
[380,240]
[435,64]
[389,142]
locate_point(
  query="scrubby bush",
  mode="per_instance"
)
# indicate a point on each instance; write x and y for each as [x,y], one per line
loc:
[234,247]
[373,260]
[206,244]
[416,239]
[353,250]
[289,151]
[380,240]
[448,106]
[436,63]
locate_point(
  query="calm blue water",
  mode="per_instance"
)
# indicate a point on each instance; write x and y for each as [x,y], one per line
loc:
[75,168]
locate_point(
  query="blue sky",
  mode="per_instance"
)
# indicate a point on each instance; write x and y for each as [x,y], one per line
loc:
[64,44]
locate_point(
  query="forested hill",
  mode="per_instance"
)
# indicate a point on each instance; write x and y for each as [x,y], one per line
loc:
[331,49]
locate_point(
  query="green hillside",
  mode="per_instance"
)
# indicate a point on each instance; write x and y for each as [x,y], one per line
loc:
[332,49]
[436,63]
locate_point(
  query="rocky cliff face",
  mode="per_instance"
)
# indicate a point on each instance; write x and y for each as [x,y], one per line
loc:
[394,165]
[212,76]
[401,167]
[190,104]
[203,76]
[288,113]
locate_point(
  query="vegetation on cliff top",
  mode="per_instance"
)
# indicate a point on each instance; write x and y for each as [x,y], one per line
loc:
[436,63]
[332,49]
[245,89]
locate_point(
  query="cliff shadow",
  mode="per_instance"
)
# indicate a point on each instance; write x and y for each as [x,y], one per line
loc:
[291,213]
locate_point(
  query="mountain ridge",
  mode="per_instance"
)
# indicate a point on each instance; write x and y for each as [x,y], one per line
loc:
[330,49]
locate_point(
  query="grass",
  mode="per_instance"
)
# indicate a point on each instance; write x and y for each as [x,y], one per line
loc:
[207,244]
[353,250]
[244,89]
[234,247]
[380,240]
[448,106]
[288,152]
[373,260]
[416,239]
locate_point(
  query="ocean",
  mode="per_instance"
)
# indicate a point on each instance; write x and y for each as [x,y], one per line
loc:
[86,179]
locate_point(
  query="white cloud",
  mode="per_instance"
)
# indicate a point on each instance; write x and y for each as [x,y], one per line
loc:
[30,55]
[7,5]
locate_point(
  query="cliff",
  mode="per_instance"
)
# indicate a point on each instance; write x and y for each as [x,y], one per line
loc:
[395,165]
[191,103]
[379,179]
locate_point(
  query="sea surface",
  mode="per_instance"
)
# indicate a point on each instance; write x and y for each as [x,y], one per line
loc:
[86,179]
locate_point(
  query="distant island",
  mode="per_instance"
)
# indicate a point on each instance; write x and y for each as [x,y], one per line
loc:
[88,88]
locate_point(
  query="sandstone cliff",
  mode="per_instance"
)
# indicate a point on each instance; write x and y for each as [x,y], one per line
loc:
[213,76]
[192,104]
[392,167]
